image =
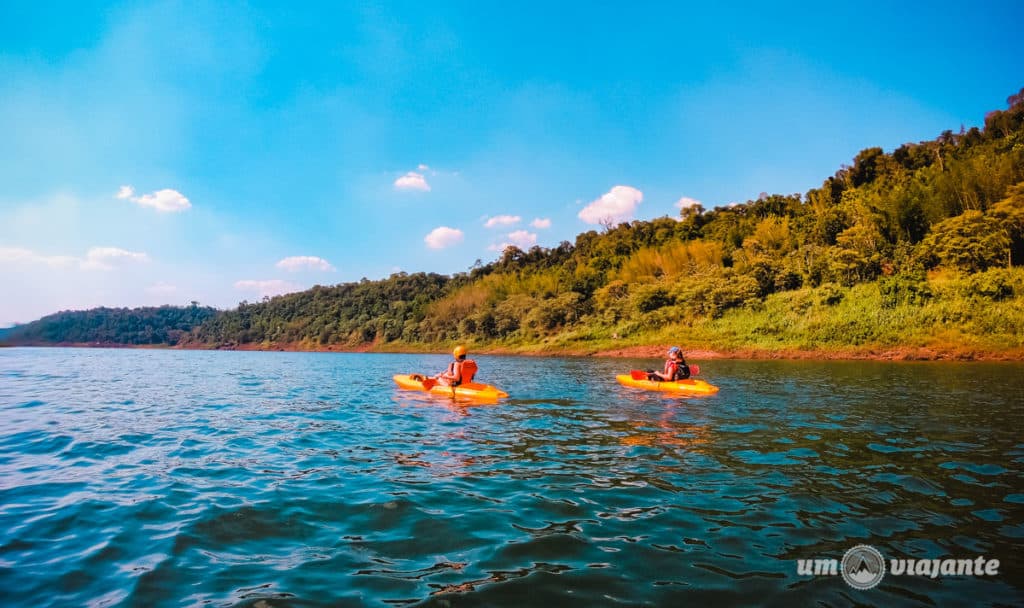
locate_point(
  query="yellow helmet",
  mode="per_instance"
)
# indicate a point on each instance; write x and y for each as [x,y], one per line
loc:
[460,351]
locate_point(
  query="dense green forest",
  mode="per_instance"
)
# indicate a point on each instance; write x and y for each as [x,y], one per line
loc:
[350,313]
[137,326]
[921,246]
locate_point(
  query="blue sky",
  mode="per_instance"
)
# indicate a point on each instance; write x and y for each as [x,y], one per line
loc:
[268,148]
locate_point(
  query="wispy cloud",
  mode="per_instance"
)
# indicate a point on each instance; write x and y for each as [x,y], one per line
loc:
[106,258]
[443,237]
[96,258]
[502,220]
[412,181]
[10,256]
[615,206]
[541,224]
[296,263]
[160,288]
[164,201]
[267,288]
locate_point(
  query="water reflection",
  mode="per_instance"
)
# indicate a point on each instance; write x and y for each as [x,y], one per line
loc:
[666,431]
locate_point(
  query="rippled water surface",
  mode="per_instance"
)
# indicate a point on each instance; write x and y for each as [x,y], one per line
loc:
[170,478]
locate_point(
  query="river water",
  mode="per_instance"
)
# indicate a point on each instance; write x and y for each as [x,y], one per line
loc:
[186,478]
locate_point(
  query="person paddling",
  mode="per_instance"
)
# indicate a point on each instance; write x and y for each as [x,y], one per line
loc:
[675,368]
[460,371]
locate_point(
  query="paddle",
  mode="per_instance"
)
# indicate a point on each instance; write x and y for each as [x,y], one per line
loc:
[428,383]
[639,374]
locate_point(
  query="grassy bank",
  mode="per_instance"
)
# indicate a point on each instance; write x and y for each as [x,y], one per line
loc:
[941,316]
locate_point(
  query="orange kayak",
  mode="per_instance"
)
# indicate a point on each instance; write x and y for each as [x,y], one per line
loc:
[697,387]
[471,390]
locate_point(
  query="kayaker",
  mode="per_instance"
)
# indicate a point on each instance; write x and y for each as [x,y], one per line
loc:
[460,371]
[675,368]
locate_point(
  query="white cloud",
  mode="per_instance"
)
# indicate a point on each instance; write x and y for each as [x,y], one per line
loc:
[520,238]
[615,206]
[296,263]
[412,181]
[541,223]
[687,202]
[161,288]
[422,167]
[502,220]
[97,258]
[105,258]
[442,237]
[165,201]
[267,288]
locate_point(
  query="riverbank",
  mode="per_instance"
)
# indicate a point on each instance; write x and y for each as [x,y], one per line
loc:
[854,323]
[603,350]
[657,351]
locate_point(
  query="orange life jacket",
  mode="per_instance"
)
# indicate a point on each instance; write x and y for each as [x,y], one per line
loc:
[468,368]
[468,371]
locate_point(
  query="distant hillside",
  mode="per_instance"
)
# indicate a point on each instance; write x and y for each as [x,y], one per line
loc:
[350,313]
[134,326]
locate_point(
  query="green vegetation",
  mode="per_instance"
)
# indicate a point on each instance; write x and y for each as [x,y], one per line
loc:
[950,313]
[920,247]
[350,313]
[136,326]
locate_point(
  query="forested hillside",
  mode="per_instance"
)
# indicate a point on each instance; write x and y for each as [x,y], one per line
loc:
[136,326]
[350,313]
[933,224]
[920,246]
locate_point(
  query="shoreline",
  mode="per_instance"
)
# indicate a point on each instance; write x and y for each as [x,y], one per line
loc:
[655,351]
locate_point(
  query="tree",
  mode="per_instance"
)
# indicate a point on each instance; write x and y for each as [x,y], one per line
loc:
[1009,212]
[971,242]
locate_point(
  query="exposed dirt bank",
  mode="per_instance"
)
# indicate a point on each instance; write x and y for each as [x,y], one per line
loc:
[903,353]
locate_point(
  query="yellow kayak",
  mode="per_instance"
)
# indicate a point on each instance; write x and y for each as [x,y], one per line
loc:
[472,390]
[697,387]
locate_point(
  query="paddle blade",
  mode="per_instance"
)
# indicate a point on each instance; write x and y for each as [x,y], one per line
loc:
[694,369]
[638,374]
[429,383]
